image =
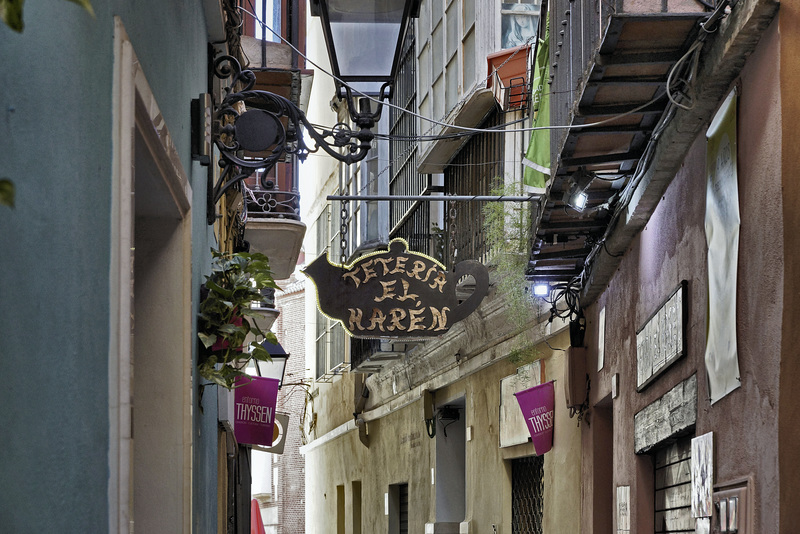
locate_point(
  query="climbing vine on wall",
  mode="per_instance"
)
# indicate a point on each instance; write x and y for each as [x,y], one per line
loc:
[507,232]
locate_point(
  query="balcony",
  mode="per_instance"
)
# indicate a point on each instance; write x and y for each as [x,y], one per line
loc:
[278,68]
[272,224]
[613,69]
[509,80]
[266,310]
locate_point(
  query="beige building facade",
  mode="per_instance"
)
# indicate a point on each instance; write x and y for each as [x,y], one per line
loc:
[387,469]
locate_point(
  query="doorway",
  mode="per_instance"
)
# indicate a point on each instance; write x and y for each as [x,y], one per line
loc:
[602,462]
[150,394]
[451,474]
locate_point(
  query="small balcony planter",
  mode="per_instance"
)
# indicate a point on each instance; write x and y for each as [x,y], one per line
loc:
[229,328]
[508,80]
[266,312]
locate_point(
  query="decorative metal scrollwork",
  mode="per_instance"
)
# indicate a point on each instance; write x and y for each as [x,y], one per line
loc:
[255,129]
[282,204]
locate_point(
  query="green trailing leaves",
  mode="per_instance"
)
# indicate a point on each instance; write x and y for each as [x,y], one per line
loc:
[11,12]
[85,4]
[235,282]
[7,191]
[507,227]
[207,339]
[260,353]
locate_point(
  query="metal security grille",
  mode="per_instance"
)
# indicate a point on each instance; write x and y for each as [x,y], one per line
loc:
[403,128]
[527,495]
[416,229]
[403,494]
[336,358]
[674,488]
[321,344]
[475,170]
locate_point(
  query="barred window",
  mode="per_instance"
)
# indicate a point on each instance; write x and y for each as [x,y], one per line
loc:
[527,495]
[330,340]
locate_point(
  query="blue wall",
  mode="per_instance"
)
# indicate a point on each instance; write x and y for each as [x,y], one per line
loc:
[55,144]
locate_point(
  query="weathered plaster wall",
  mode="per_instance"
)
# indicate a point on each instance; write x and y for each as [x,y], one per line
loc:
[400,451]
[54,259]
[789,407]
[333,403]
[562,465]
[672,248]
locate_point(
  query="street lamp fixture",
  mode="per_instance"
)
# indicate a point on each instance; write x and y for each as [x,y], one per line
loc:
[275,368]
[541,290]
[365,41]
[253,129]
[576,196]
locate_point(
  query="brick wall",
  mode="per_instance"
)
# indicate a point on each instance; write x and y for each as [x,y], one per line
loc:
[290,329]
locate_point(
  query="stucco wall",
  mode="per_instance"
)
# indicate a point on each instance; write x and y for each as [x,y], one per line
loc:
[400,451]
[672,248]
[56,145]
[789,408]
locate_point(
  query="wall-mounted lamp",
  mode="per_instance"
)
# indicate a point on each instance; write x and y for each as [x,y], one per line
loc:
[359,36]
[277,367]
[575,195]
[541,290]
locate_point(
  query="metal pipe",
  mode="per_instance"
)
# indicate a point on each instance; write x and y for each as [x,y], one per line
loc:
[263,23]
[443,198]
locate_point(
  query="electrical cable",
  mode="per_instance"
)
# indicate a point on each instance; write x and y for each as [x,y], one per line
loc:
[644,162]
[694,51]
[466,131]
[568,293]
[454,126]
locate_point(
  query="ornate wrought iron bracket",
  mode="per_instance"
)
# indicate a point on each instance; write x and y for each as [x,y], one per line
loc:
[253,130]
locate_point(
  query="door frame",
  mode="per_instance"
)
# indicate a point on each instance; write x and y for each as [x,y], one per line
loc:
[135,109]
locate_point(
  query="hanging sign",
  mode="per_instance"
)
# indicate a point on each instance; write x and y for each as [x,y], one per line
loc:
[279,430]
[538,409]
[396,293]
[254,409]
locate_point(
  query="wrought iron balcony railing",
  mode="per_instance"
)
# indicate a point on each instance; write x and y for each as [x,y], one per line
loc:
[260,203]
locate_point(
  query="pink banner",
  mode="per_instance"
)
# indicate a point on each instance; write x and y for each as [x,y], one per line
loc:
[538,408]
[256,523]
[254,409]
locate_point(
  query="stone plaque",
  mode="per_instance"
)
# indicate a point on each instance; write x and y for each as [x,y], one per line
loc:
[661,340]
[666,417]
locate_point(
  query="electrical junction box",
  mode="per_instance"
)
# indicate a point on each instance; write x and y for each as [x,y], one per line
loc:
[575,377]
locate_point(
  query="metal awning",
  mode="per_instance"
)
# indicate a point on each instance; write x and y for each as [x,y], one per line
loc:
[625,94]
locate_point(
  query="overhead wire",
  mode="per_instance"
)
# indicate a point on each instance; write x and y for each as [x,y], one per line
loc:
[568,293]
[693,53]
[464,131]
[448,125]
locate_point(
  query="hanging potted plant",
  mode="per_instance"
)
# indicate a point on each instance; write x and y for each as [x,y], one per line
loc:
[227,319]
